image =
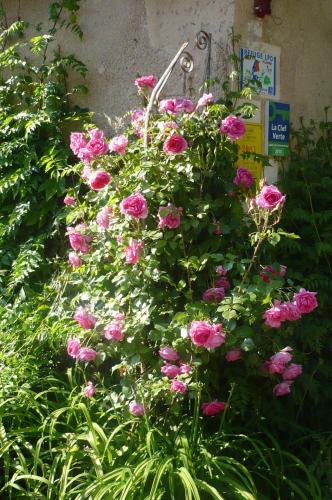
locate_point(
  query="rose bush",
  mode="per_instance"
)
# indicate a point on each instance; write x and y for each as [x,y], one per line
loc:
[170,278]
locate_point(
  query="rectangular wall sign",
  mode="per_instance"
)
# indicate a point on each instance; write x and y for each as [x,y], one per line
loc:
[260,66]
[251,142]
[276,128]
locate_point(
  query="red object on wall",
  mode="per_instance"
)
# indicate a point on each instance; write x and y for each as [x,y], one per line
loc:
[262,8]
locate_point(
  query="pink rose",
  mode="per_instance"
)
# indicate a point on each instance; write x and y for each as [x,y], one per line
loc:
[233,127]
[177,386]
[213,408]
[103,218]
[243,178]
[146,81]
[99,179]
[97,145]
[222,283]
[87,354]
[221,270]
[169,370]
[69,200]
[77,142]
[283,388]
[233,355]
[269,270]
[305,301]
[132,251]
[217,229]
[89,390]
[168,353]
[165,127]
[113,331]
[85,319]
[118,144]
[275,315]
[73,347]
[175,144]
[269,198]
[176,106]
[86,172]
[77,240]
[137,121]
[203,333]
[120,316]
[135,206]
[205,100]
[290,311]
[184,368]
[169,217]
[136,409]
[215,295]
[74,259]
[278,361]
[292,371]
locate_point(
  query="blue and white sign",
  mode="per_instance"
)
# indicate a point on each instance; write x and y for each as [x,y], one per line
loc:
[259,66]
[277,128]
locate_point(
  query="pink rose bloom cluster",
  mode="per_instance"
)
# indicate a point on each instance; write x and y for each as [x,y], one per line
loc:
[222,282]
[269,198]
[175,144]
[172,371]
[113,331]
[134,206]
[205,334]
[77,239]
[279,364]
[88,150]
[233,355]
[136,409]
[132,251]
[99,179]
[176,106]
[169,216]
[74,259]
[104,217]
[304,302]
[233,127]
[85,319]
[146,81]
[215,295]
[118,144]
[137,120]
[75,350]
[212,408]
[69,200]
[89,389]
[205,100]
[166,127]
[269,272]
[243,178]
[221,270]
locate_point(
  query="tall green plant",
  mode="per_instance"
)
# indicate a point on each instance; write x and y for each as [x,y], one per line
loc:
[34,109]
[307,182]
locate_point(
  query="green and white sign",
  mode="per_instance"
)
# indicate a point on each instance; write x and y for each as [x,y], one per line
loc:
[277,128]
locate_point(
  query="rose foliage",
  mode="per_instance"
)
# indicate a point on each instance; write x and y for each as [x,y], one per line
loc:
[170,299]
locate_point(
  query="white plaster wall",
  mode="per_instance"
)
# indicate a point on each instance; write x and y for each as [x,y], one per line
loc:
[127,38]
[303,31]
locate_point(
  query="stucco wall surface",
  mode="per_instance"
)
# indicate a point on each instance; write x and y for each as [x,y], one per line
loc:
[303,31]
[127,38]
